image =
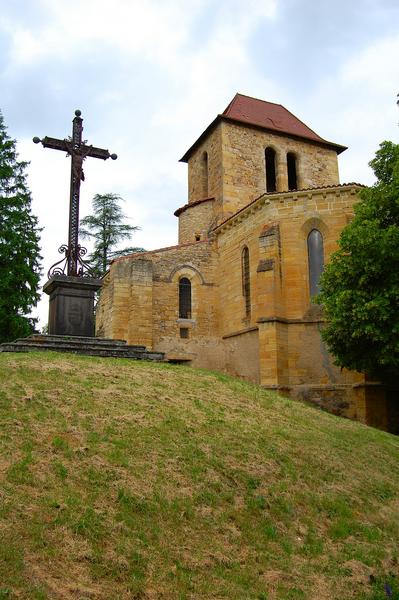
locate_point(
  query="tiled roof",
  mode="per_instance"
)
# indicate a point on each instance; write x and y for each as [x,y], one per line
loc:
[268,115]
[265,115]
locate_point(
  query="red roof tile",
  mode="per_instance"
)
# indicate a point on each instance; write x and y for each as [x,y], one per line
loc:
[266,115]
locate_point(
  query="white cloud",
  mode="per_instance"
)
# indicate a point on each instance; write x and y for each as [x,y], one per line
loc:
[358,108]
[155,30]
[27,47]
[150,75]
[376,66]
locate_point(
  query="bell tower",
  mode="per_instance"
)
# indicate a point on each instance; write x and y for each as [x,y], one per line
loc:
[252,148]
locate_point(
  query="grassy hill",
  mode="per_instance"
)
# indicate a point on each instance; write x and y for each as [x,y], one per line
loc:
[122,479]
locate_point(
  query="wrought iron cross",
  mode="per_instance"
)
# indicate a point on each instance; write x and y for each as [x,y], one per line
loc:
[78,150]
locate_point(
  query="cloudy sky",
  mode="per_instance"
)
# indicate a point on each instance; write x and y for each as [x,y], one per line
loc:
[150,75]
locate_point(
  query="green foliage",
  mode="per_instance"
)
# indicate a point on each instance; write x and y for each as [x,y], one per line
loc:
[360,285]
[105,226]
[19,244]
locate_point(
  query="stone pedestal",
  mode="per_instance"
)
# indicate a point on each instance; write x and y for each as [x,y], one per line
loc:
[71,310]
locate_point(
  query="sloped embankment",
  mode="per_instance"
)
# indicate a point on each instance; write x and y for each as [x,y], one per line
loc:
[124,479]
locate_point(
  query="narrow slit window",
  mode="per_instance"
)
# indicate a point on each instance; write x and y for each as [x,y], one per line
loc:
[184,298]
[246,289]
[315,261]
[291,169]
[270,161]
[204,169]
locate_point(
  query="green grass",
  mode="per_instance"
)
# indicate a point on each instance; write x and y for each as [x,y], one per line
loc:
[123,479]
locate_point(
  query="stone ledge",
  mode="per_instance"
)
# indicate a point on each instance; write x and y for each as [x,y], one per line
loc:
[289,321]
[240,332]
[312,386]
[67,281]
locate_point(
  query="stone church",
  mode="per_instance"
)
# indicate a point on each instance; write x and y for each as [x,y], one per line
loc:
[265,209]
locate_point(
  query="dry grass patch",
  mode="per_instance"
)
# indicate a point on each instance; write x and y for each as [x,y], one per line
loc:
[123,479]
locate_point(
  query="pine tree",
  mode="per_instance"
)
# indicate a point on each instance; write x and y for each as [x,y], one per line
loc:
[19,244]
[105,226]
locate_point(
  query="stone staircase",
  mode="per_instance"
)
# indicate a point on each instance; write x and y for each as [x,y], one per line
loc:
[91,346]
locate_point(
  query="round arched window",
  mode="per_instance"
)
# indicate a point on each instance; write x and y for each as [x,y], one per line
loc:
[270,162]
[246,289]
[315,260]
[184,298]
[292,171]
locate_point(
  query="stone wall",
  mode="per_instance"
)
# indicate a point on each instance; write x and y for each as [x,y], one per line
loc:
[275,230]
[195,220]
[140,303]
[197,190]
[236,172]
[377,406]
[241,354]
[124,310]
[104,306]
[244,171]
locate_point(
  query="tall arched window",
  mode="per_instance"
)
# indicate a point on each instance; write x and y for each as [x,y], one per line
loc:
[291,171]
[204,175]
[315,260]
[246,289]
[184,298]
[270,161]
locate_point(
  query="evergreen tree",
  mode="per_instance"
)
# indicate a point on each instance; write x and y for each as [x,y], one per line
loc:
[360,285]
[105,226]
[19,244]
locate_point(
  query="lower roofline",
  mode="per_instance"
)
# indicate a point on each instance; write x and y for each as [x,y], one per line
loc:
[275,195]
[140,254]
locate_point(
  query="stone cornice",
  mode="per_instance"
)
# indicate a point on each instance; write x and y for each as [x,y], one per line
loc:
[180,210]
[269,198]
[284,321]
[242,123]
